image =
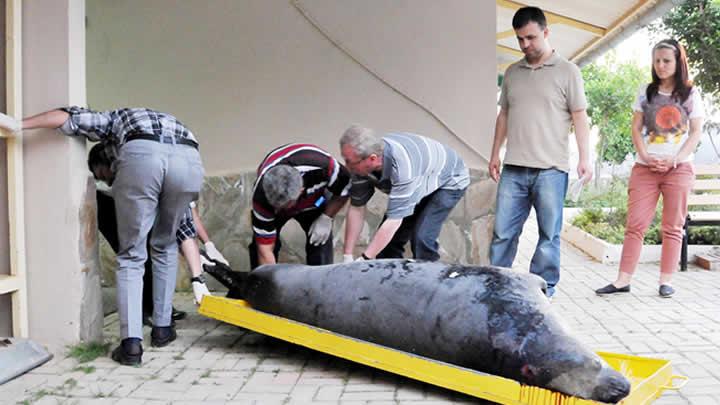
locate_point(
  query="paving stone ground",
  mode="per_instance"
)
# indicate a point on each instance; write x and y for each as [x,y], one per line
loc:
[216,363]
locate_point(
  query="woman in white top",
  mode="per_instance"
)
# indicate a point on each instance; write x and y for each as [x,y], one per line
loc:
[666,128]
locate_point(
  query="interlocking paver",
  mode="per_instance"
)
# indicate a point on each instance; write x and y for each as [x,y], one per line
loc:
[368,395]
[329,393]
[130,401]
[212,362]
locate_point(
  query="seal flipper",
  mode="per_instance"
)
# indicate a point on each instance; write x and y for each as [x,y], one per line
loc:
[234,280]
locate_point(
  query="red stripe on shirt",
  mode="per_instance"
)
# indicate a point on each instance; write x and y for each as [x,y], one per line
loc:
[281,152]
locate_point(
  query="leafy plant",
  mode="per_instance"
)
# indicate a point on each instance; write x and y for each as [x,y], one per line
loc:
[85,369]
[704,235]
[696,24]
[602,196]
[611,88]
[85,352]
[605,213]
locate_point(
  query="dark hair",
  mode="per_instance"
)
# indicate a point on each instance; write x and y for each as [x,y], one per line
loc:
[98,156]
[683,85]
[525,15]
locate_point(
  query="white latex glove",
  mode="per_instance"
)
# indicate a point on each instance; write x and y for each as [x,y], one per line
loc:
[204,261]
[320,230]
[215,254]
[199,290]
[348,258]
[9,123]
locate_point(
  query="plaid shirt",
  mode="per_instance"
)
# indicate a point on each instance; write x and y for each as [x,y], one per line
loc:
[112,127]
[186,230]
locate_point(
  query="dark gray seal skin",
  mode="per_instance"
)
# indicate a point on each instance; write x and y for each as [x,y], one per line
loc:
[484,318]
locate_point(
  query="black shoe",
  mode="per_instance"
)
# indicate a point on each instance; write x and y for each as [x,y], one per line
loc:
[147,319]
[611,289]
[162,336]
[129,352]
[666,291]
[177,315]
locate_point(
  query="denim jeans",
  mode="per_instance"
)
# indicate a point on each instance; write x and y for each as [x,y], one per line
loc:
[521,188]
[422,228]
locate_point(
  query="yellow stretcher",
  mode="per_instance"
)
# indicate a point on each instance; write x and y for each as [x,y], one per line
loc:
[649,376]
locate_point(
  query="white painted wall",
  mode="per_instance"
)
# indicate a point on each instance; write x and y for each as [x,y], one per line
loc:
[248,75]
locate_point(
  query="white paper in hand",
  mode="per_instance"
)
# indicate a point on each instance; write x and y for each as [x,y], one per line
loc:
[575,189]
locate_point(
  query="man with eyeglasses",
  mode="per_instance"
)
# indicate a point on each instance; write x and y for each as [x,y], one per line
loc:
[424,180]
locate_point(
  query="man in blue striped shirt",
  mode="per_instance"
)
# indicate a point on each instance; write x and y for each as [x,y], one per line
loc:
[423,178]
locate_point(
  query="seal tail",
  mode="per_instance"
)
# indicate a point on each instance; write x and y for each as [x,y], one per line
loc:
[235,281]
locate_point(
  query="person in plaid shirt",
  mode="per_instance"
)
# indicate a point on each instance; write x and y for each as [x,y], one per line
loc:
[156,172]
[303,182]
[190,228]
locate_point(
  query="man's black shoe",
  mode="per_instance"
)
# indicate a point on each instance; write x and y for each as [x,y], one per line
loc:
[611,289]
[178,314]
[129,352]
[147,319]
[666,291]
[162,336]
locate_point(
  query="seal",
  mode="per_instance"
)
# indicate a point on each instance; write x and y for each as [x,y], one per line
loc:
[489,319]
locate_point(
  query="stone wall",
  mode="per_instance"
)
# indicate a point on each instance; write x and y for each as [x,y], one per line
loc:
[225,210]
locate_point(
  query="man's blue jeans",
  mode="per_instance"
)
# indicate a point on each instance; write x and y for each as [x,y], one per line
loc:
[422,228]
[521,188]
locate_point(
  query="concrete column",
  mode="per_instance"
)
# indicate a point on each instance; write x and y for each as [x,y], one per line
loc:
[5,299]
[63,279]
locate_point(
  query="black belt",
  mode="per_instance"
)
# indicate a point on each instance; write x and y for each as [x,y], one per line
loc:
[163,139]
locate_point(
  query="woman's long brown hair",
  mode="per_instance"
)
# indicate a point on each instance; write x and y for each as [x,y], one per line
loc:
[683,85]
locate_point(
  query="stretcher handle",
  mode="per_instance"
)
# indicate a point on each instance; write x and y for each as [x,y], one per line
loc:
[676,387]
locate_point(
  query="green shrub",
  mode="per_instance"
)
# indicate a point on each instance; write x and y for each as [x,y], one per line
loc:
[605,213]
[704,235]
[613,195]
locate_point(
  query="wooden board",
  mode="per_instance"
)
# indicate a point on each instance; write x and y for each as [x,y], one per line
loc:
[709,261]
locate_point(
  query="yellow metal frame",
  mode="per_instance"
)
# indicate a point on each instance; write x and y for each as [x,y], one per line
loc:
[554,18]
[508,50]
[649,376]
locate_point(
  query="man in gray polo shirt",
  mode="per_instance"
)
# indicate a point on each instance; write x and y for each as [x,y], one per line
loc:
[424,179]
[542,95]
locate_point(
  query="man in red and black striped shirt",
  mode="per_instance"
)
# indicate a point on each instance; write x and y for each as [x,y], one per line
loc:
[303,182]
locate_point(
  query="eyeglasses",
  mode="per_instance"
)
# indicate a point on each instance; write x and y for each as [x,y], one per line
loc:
[357,162]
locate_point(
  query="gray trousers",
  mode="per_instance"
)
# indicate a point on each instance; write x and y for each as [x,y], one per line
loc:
[154,183]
